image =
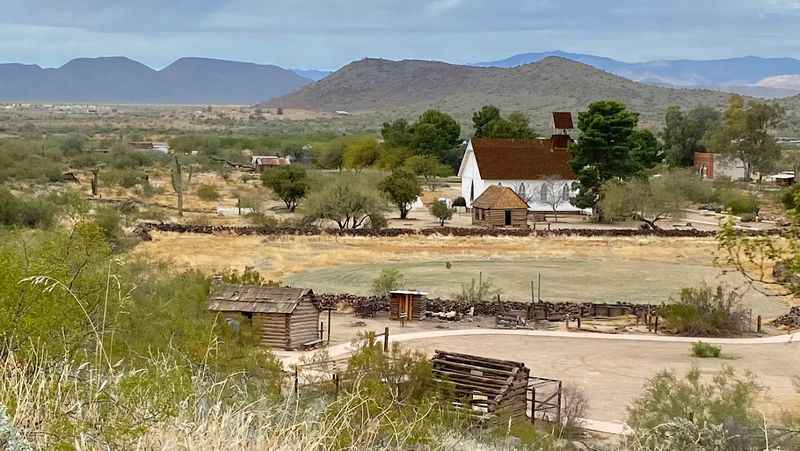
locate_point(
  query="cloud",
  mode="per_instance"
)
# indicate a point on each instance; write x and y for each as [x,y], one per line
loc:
[328,33]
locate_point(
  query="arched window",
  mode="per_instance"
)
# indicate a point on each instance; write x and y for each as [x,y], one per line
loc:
[565,192]
[471,191]
[543,193]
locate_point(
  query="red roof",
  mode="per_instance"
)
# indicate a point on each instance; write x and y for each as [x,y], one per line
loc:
[562,120]
[521,159]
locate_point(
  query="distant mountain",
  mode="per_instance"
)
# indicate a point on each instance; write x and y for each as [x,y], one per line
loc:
[404,88]
[122,80]
[733,74]
[312,74]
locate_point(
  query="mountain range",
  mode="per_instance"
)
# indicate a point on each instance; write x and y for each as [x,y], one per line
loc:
[406,88]
[123,80]
[750,75]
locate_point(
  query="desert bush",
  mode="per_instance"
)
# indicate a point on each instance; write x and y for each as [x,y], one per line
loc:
[441,212]
[788,196]
[110,221]
[736,201]
[686,413]
[478,291]
[289,183]
[389,279]
[207,193]
[706,312]
[349,201]
[705,350]
[23,211]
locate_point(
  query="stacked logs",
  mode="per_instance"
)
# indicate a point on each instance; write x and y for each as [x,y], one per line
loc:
[790,320]
[450,231]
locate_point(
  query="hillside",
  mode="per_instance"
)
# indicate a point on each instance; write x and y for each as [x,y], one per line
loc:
[720,74]
[122,80]
[409,87]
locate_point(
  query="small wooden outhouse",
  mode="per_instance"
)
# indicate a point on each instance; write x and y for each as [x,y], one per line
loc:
[284,318]
[499,206]
[407,305]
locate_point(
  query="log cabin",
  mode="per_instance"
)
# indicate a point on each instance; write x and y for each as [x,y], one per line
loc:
[283,318]
[407,305]
[499,206]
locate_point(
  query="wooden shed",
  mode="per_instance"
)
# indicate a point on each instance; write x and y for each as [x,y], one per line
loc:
[484,389]
[407,305]
[499,206]
[284,318]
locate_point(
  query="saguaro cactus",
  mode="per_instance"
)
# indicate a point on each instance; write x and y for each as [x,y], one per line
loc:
[178,183]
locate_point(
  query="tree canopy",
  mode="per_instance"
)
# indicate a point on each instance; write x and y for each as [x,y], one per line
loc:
[289,183]
[605,149]
[648,200]
[744,133]
[434,133]
[685,133]
[402,189]
[489,123]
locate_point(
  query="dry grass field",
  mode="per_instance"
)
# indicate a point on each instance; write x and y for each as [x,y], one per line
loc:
[573,269]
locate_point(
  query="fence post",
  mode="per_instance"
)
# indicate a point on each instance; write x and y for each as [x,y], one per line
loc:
[336,385]
[321,330]
[758,325]
[533,405]
[558,414]
[386,339]
[329,326]
[579,321]
[296,382]
[655,327]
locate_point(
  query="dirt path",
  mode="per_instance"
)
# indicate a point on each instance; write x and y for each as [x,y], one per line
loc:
[612,369]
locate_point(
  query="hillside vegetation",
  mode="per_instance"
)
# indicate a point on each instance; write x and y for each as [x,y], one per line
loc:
[553,84]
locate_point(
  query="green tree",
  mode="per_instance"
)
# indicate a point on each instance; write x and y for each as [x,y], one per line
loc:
[427,167]
[435,133]
[330,155]
[489,123]
[648,200]
[398,133]
[744,134]
[441,211]
[684,133]
[402,188]
[483,119]
[388,280]
[646,151]
[289,183]
[346,201]
[361,154]
[603,151]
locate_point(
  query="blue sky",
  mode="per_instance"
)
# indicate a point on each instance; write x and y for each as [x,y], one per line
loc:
[328,34]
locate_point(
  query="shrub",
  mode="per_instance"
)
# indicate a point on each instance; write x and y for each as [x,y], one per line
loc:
[389,279]
[706,312]
[705,350]
[289,183]
[736,201]
[441,212]
[788,196]
[26,211]
[207,192]
[676,413]
[480,291]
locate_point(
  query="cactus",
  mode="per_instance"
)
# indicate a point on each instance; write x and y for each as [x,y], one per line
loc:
[178,183]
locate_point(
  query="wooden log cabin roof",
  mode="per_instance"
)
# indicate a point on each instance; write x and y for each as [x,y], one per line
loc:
[521,159]
[256,299]
[499,198]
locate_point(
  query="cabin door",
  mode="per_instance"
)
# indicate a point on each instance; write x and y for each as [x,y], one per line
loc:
[405,307]
[508,217]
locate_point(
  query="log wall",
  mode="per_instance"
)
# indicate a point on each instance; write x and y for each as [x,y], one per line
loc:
[497,218]
[273,328]
[303,324]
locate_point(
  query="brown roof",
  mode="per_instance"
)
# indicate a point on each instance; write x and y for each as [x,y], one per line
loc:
[562,120]
[521,159]
[256,299]
[499,198]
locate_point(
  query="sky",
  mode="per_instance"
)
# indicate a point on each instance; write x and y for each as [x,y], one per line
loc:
[327,34]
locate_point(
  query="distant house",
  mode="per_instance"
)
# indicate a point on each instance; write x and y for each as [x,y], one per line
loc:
[499,206]
[714,165]
[262,162]
[149,145]
[283,318]
[538,170]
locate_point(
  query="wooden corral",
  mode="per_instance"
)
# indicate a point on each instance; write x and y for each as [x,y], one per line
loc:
[284,318]
[484,389]
[407,305]
[500,206]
